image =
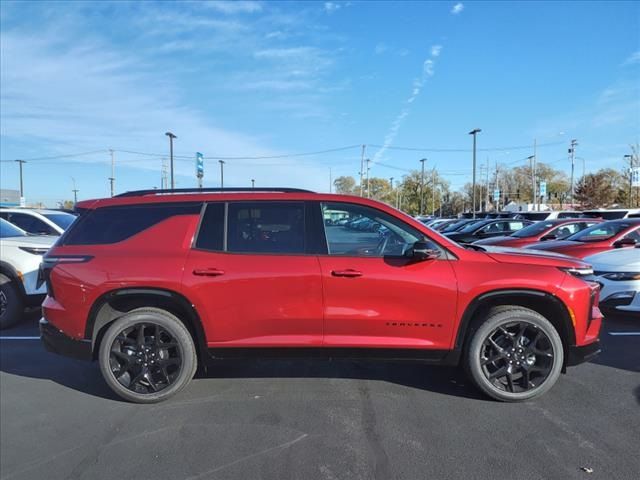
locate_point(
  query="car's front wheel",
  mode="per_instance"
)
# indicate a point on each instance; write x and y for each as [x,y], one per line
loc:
[515,354]
[147,355]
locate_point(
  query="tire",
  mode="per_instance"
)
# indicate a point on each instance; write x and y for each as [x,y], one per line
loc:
[516,354]
[11,303]
[151,366]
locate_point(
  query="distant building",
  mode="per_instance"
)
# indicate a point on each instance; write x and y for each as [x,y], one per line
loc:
[9,198]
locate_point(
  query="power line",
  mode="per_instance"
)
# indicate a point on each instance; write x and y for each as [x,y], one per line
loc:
[465,150]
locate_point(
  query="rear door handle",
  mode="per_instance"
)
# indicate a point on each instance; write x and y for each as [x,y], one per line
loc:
[350,273]
[208,272]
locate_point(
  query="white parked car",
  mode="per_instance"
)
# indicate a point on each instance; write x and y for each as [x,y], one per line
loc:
[618,273]
[20,257]
[38,222]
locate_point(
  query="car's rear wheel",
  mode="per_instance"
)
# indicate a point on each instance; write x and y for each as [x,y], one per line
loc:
[147,355]
[515,354]
[11,303]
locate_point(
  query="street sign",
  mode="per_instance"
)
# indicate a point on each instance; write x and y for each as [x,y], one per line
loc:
[635,177]
[199,165]
[496,195]
[543,189]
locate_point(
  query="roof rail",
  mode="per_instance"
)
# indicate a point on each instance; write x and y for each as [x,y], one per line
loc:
[138,193]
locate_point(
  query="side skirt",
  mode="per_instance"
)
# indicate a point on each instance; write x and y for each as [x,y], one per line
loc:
[434,357]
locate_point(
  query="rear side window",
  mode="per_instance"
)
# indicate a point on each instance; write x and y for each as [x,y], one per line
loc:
[115,224]
[31,224]
[211,234]
[266,227]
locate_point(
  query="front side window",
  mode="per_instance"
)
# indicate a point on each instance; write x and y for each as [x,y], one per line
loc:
[366,232]
[266,227]
[564,231]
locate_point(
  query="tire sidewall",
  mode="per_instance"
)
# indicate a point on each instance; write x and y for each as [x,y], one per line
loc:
[494,321]
[172,325]
[15,305]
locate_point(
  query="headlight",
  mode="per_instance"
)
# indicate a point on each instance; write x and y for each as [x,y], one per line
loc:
[34,250]
[622,276]
[578,271]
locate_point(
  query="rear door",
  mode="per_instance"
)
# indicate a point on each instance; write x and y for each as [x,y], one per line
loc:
[254,277]
[376,297]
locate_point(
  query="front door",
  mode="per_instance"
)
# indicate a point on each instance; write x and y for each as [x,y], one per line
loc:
[255,286]
[374,296]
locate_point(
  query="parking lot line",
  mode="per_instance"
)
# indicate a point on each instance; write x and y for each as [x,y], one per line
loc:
[622,334]
[19,338]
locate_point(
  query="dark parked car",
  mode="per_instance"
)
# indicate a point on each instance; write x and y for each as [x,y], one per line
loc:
[540,232]
[487,229]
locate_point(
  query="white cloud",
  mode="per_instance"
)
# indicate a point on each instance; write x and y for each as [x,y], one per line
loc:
[457,8]
[435,50]
[233,7]
[380,48]
[633,59]
[331,7]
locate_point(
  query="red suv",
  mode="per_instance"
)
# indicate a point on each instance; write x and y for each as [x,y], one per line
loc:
[152,284]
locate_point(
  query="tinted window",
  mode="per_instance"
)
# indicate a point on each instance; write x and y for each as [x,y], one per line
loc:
[31,224]
[515,226]
[567,230]
[533,230]
[211,234]
[601,231]
[635,235]
[495,227]
[266,227]
[63,220]
[8,230]
[114,224]
[367,232]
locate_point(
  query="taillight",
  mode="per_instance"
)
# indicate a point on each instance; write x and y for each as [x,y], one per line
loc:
[50,261]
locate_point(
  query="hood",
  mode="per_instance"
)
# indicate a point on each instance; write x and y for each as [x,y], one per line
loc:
[30,241]
[497,240]
[519,255]
[619,260]
[554,244]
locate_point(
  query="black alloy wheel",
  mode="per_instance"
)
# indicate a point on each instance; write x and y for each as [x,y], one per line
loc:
[145,358]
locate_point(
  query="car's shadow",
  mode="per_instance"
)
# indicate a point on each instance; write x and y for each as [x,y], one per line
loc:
[29,359]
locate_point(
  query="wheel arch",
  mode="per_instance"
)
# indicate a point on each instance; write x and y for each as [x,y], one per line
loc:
[7,270]
[115,303]
[546,304]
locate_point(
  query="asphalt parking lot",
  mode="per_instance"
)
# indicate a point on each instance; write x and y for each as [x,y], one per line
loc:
[317,420]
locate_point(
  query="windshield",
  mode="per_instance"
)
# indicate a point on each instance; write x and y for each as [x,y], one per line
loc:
[599,232]
[473,226]
[63,220]
[8,230]
[533,230]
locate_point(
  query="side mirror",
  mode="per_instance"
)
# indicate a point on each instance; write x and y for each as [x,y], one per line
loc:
[548,237]
[422,251]
[624,242]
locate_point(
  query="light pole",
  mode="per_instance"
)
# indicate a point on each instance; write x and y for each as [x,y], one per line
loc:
[572,152]
[20,163]
[75,191]
[368,168]
[253,183]
[422,160]
[112,178]
[221,162]
[171,137]
[474,132]
[630,157]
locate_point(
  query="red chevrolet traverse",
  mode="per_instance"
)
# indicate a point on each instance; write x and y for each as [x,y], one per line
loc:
[152,284]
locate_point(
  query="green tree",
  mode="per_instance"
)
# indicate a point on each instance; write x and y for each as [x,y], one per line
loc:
[345,185]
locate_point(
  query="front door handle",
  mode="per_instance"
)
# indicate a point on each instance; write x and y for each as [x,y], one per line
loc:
[208,272]
[350,273]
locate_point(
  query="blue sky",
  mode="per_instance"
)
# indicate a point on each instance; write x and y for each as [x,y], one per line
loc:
[255,79]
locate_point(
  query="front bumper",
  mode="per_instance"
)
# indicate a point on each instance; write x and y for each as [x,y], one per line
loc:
[584,353]
[56,341]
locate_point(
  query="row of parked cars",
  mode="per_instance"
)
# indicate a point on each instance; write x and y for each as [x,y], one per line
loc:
[25,236]
[608,245]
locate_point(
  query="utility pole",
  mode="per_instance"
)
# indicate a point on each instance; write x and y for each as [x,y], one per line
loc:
[630,157]
[221,162]
[364,147]
[497,187]
[474,132]
[112,178]
[534,173]
[433,191]
[391,183]
[75,191]
[572,152]
[20,163]
[398,195]
[368,160]
[533,181]
[486,200]
[253,183]
[422,160]
[164,180]
[171,137]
